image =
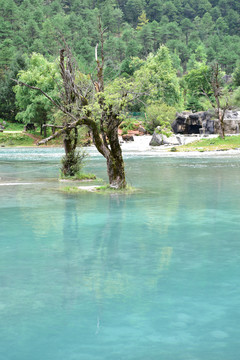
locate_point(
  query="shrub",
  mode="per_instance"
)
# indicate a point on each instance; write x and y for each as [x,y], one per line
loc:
[72,163]
[159,114]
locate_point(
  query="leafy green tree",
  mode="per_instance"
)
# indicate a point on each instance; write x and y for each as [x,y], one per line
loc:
[28,26]
[203,7]
[142,20]
[170,11]
[188,11]
[154,9]
[158,78]
[6,53]
[112,16]
[236,75]
[146,39]
[34,106]
[221,25]
[133,10]
[186,26]
[236,97]
[160,114]
[193,103]
[198,80]
[207,26]
[8,108]
[155,29]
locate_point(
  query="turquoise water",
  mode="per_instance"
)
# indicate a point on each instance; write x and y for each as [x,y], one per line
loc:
[154,275]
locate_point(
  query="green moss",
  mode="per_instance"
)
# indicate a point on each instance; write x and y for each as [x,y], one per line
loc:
[105,189]
[79,176]
[70,189]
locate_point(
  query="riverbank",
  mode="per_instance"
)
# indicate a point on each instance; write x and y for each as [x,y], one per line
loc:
[24,139]
[194,144]
[196,147]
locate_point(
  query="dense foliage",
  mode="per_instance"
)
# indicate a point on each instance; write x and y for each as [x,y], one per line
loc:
[194,34]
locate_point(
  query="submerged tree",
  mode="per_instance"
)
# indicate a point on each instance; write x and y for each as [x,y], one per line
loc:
[89,103]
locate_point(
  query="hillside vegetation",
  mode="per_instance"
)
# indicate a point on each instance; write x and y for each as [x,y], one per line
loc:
[192,34]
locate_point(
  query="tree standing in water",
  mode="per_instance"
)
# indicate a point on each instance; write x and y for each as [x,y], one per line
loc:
[88,103]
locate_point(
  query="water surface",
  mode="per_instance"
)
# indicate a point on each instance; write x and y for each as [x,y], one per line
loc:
[148,276]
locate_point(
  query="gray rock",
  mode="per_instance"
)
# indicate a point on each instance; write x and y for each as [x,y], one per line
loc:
[193,123]
[127,137]
[157,139]
[142,130]
[202,122]
[160,139]
[181,140]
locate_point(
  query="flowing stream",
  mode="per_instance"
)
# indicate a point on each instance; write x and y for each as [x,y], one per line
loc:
[153,275]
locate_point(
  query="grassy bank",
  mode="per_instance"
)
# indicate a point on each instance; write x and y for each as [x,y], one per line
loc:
[15,139]
[13,126]
[212,144]
[19,138]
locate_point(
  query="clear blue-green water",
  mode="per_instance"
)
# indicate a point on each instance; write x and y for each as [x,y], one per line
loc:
[154,275]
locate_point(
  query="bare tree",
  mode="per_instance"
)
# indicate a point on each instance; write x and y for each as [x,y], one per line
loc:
[219,102]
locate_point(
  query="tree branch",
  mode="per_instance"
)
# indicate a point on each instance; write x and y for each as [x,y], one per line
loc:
[53,126]
[208,97]
[96,56]
[63,109]
[60,132]
[20,83]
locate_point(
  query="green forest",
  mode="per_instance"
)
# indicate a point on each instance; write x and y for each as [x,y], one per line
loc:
[167,47]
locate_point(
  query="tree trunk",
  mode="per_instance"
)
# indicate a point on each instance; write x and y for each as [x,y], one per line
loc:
[67,142]
[221,123]
[111,150]
[44,130]
[115,163]
[116,172]
[70,162]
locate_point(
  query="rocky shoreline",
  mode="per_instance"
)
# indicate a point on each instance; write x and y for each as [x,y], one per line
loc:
[141,144]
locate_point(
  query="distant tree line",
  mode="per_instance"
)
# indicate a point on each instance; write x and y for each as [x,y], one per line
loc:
[191,34]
